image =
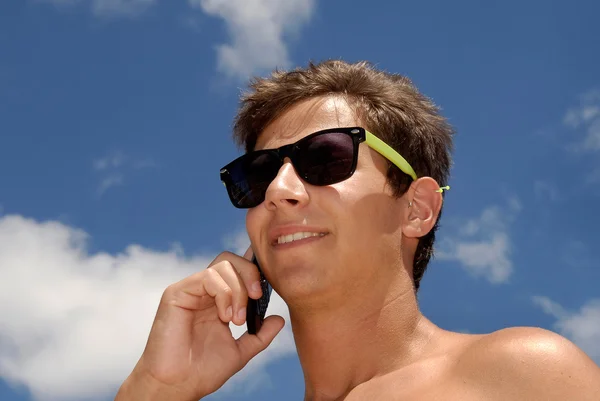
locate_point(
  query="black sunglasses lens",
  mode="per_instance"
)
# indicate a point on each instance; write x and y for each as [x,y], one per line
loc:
[325,159]
[251,176]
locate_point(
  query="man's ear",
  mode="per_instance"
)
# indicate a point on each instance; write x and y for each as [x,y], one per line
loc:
[424,202]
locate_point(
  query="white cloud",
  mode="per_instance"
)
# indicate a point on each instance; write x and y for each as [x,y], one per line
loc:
[577,116]
[108,182]
[258,30]
[107,8]
[114,160]
[588,109]
[482,245]
[237,242]
[111,168]
[73,324]
[109,164]
[550,307]
[586,116]
[582,327]
[488,258]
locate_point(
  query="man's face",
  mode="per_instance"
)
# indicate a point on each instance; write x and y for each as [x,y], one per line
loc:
[358,221]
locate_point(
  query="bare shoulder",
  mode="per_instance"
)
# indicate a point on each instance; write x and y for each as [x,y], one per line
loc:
[528,363]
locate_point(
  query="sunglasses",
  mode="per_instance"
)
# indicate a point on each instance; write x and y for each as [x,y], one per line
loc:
[323,158]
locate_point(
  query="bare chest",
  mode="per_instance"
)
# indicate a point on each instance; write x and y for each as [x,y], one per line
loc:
[433,392]
[431,382]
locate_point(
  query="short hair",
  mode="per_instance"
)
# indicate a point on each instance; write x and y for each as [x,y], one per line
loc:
[388,104]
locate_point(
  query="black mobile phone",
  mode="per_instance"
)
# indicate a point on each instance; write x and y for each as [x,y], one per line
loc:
[257,308]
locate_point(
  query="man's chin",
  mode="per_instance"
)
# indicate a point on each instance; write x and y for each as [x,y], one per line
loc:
[303,290]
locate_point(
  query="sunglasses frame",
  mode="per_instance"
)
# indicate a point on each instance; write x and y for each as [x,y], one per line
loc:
[358,135]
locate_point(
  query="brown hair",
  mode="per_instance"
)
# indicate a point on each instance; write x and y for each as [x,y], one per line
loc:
[389,105]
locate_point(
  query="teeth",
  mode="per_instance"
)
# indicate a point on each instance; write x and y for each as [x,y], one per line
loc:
[296,236]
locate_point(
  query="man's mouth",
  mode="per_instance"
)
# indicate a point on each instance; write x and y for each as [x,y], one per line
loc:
[284,239]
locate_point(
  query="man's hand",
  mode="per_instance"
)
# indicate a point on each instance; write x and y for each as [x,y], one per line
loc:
[191,352]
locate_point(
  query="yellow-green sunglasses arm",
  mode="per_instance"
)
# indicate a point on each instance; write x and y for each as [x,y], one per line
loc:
[389,153]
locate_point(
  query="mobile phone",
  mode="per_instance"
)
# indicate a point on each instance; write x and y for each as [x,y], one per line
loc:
[257,308]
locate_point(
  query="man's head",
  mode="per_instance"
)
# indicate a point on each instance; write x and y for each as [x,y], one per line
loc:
[287,106]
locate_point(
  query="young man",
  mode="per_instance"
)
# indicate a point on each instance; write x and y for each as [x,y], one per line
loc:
[343,228]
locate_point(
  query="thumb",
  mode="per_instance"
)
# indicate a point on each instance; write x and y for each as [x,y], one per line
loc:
[250,345]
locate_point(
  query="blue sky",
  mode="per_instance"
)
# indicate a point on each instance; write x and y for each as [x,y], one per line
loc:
[115,117]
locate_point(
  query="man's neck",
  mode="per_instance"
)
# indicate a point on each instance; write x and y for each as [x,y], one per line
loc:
[340,348]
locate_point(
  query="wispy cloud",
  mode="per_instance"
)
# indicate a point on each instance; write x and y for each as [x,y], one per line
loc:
[258,30]
[581,327]
[111,169]
[585,117]
[587,110]
[113,160]
[482,245]
[576,255]
[106,8]
[108,182]
[73,324]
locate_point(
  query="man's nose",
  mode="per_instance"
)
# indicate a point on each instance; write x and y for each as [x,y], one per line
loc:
[287,189]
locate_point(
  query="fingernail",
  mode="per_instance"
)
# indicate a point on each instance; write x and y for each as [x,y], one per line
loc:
[256,287]
[229,312]
[241,314]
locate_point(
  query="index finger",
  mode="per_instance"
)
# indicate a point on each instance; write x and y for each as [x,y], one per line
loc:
[247,270]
